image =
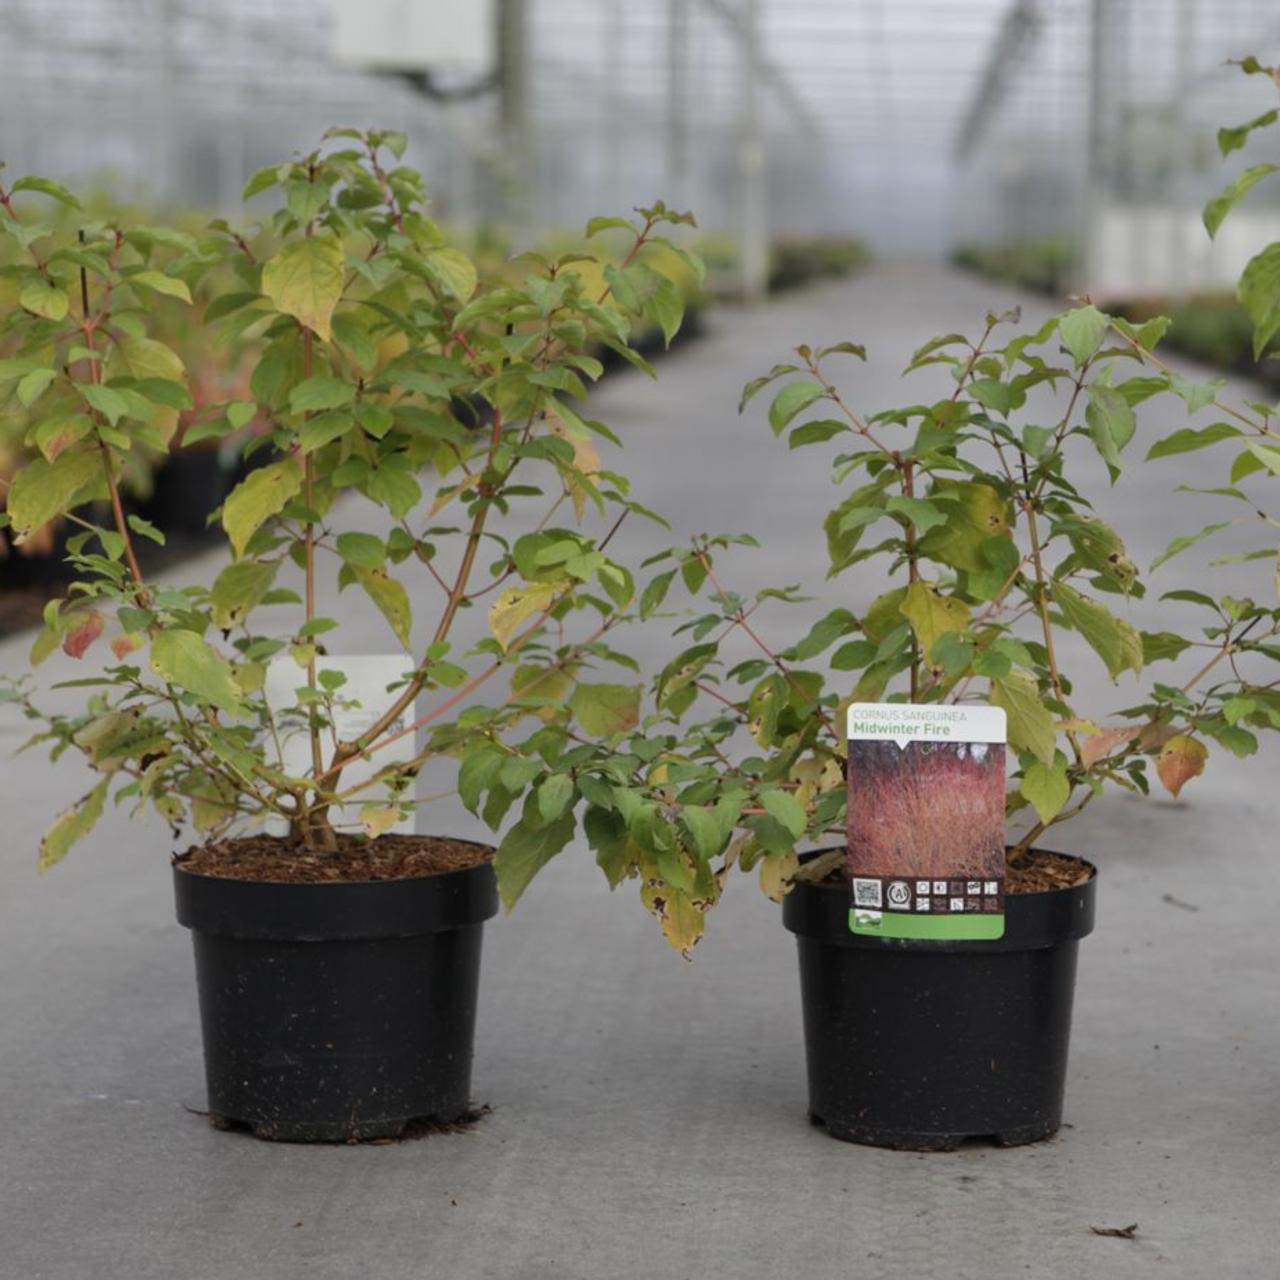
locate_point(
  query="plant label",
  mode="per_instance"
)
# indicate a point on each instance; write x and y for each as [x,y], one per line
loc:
[371,684]
[926,829]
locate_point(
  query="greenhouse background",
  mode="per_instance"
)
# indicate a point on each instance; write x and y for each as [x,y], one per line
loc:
[921,127]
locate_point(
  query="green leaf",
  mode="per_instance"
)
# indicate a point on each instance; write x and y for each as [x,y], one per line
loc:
[824,633]
[44,298]
[1082,332]
[184,659]
[71,825]
[596,225]
[707,833]
[1269,457]
[1114,640]
[1187,540]
[1112,423]
[996,395]
[1030,721]
[786,809]
[320,392]
[362,550]
[42,490]
[1196,395]
[391,598]
[1190,438]
[158,282]
[1259,291]
[655,593]
[1233,138]
[46,187]
[478,772]
[34,385]
[606,709]
[665,307]
[791,400]
[111,404]
[554,795]
[524,851]
[922,513]
[451,270]
[324,429]
[1162,646]
[1046,787]
[816,432]
[304,280]
[1225,201]
[259,496]
[238,588]
[396,490]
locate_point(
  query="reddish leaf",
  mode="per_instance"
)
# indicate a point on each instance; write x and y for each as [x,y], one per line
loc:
[1181,759]
[88,627]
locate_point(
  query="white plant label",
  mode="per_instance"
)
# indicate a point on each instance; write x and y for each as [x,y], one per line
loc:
[926,820]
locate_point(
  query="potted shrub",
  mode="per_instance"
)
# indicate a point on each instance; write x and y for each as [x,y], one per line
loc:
[972,512]
[336,951]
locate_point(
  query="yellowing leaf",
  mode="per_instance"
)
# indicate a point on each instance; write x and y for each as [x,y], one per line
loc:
[515,604]
[1046,787]
[1030,724]
[391,598]
[304,280]
[932,615]
[71,825]
[682,915]
[452,270]
[43,490]
[777,875]
[238,588]
[586,457]
[975,512]
[44,298]
[1181,759]
[377,818]
[184,659]
[259,496]
[606,709]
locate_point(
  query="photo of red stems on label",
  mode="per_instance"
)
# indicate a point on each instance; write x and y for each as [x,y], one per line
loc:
[929,809]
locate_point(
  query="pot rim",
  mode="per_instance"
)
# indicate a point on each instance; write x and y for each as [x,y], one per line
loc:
[335,910]
[1033,921]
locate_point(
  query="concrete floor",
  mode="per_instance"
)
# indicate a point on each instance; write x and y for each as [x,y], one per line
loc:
[649,1115]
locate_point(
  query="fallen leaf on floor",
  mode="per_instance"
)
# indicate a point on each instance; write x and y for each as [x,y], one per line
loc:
[1117,1233]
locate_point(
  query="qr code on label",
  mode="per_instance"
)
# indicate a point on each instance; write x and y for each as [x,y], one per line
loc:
[866,893]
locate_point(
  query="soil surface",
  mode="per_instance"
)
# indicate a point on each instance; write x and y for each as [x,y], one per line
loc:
[1043,870]
[386,858]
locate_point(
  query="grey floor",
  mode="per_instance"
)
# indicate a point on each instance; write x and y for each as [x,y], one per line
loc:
[649,1115]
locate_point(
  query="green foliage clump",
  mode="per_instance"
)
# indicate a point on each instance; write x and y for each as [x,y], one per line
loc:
[380,355]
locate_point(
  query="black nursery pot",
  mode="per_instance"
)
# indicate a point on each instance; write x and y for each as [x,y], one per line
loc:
[338,1011]
[920,1045]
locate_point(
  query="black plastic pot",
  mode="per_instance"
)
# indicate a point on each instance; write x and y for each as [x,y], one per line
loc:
[190,485]
[922,1045]
[340,1011]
